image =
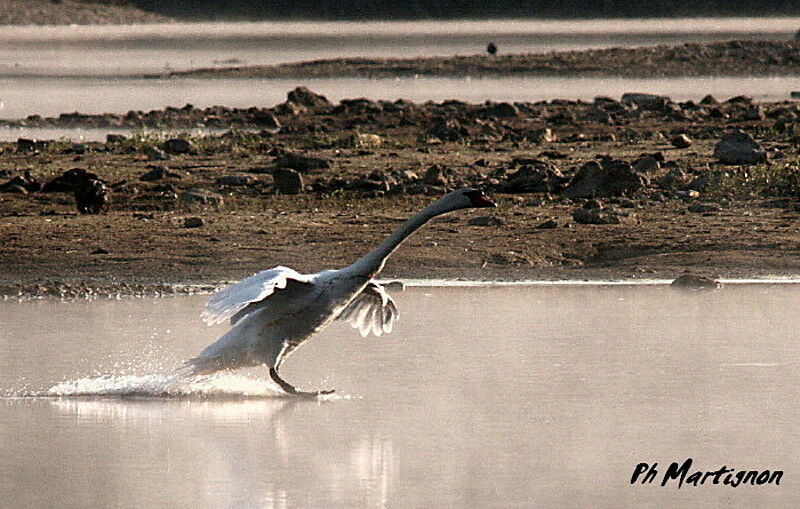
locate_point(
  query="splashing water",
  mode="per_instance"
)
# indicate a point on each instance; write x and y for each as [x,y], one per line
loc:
[218,386]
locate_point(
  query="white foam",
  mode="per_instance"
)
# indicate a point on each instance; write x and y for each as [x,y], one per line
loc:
[164,386]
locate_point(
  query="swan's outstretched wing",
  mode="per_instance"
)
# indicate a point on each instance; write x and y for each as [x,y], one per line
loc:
[373,310]
[230,300]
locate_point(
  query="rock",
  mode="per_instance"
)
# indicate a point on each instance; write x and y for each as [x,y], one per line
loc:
[394,286]
[155,154]
[485,221]
[357,106]
[436,175]
[755,112]
[738,147]
[179,146]
[709,100]
[201,197]
[547,225]
[92,197]
[23,184]
[267,121]
[612,178]
[115,138]
[302,162]
[535,177]
[28,145]
[193,222]
[704,207]
[236,180]
[503,110]
[68,181]
[158,173]
[708,181]
[100,251]
[601,216]
[646,164]
[305,97]
[287,181]
[681,141]
[368,140]
[692,281]
[290,109]
[543,135]
[646,101]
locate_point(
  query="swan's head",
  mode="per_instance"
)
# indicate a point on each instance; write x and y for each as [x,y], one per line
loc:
[467,199]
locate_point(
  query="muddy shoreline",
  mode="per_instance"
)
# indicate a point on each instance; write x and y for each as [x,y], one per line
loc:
[731,58]
[596,190]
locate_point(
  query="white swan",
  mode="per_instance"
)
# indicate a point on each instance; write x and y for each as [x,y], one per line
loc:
[276,310]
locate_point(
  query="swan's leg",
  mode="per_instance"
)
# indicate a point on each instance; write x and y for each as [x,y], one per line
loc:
[289,388]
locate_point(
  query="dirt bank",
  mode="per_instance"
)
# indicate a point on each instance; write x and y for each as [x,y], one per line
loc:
[733,58]
[586,190]
[77,12]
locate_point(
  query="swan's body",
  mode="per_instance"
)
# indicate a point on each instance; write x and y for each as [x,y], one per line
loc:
[276,310]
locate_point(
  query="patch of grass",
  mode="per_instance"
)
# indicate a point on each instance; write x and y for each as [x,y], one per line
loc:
[773,180]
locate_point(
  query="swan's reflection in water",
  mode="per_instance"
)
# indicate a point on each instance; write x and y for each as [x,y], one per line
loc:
[238,452]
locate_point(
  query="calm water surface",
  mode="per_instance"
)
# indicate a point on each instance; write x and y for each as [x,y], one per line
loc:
[53,70]
[516,396]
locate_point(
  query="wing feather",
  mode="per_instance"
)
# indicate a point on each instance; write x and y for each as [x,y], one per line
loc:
[372,311]
[230,300]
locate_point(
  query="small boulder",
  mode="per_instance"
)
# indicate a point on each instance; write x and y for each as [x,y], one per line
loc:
[436,175]
[115,138]
[193,222]
[695,282]
[681,141]
[155,154]
[646,101]
[201,197]
[68,181]
[611,178]
[179,146]
[738,147]
[502,110]
[92,197]
[287,181]
[704,207]
[485,221]
[305,97]
[646,164]
[302,162]
[601,216]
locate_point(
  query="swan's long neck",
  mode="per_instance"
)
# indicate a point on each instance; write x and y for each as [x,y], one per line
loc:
[372,263]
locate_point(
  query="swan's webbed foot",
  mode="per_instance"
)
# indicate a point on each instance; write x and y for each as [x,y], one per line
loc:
[290,389]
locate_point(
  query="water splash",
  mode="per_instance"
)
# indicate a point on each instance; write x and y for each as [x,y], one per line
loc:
[218,386]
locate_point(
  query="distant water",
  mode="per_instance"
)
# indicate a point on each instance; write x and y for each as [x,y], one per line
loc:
[514,396]
[125,50]
[53,70]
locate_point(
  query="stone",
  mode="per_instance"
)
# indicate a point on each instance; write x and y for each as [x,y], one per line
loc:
[368,140]
[681,141]
[155,154]
[29,145]
[740,148]
[193,222]
[179,146]
[646,101]
[542,135]
[158,173]
[692,281]
[601,216]
[201,197]
[646,164]
[704,207]
[547,225]
[305,97]
[535,177]
[236,180]
[709,100]
[611,178]
[115,138]
[92,197]
[436,175]
[503,110]
[23,184]
[267,121]
[302,162]
[287,181]
[485,221]
[68,181]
